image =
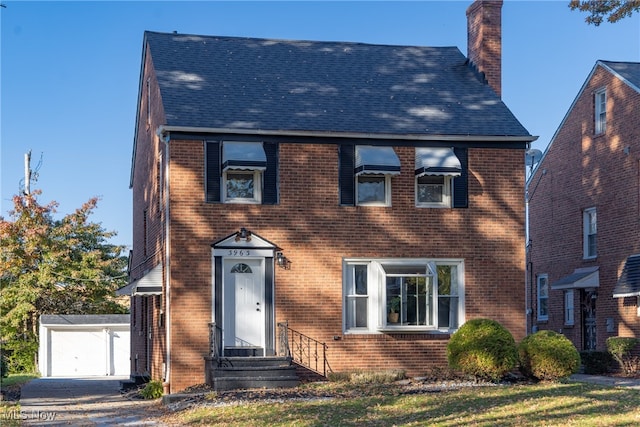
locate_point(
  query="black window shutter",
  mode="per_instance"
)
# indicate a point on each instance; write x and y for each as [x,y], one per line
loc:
[270,175]
[460,183]
[346,180]
[212,171]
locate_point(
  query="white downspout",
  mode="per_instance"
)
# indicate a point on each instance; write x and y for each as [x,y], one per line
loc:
[167,315]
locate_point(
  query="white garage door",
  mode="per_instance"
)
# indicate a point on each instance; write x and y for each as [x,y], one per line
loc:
[120,345]
[78,353]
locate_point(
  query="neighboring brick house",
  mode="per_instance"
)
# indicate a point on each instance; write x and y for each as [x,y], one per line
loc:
[584,210]
[322,184]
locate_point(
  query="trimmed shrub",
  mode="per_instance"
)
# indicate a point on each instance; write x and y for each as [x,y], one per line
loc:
[548,355]
[620,349]
[153,390]
[596,362]
[482,348]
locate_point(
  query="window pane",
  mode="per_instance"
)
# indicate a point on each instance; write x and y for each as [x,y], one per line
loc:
[240,185]
[447,312]
[357,313]
[430,189]
[409,297]
[360,273]
[371,189]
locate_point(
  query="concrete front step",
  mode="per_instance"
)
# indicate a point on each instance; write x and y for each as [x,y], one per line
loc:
[231,373]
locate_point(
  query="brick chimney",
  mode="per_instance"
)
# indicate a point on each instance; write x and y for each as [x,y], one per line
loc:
[484,40]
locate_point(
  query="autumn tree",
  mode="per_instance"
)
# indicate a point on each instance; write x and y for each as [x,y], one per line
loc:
[52,266]
[612,10]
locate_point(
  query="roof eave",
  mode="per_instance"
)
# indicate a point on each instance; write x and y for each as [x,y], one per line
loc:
[164,130]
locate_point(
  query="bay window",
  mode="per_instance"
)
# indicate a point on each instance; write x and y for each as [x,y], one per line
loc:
[403,295]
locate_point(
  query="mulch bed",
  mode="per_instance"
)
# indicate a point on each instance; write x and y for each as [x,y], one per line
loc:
[10,393]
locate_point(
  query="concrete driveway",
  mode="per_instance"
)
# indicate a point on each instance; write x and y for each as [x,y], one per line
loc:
[88,401]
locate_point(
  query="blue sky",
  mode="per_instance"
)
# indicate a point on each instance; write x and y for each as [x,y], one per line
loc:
[70,70]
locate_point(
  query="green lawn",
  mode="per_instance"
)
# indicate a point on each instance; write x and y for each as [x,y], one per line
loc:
[10,411]
[558,404]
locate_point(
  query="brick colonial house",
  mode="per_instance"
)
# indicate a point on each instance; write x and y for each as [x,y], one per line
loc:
[296,194]
[584,209]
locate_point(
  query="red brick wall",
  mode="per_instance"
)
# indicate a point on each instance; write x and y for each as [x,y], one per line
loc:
[316,234]
[484,40]
[148,335]
[583,170]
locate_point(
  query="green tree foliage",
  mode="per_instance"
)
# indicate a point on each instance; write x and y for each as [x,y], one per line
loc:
[612,10]
[51,266]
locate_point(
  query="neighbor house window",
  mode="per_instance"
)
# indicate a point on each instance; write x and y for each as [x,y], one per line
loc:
[568,307]
[589,233]
[543,297]
[600,111]
[403,294]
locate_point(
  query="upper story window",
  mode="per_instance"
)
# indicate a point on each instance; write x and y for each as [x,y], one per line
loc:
[241,172]
[600,111]
[403,294]
[434,171]
[589,233]
[543,297]
[373,169]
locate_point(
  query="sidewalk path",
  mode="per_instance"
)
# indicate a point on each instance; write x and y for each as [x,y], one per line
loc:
[633,383]
[89,401]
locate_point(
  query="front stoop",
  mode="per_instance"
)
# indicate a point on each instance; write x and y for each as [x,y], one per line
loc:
[232,373]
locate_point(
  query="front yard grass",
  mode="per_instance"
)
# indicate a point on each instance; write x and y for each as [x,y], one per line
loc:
[548,404]
[9,406]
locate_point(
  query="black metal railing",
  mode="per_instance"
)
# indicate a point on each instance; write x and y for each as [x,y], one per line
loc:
[302,349]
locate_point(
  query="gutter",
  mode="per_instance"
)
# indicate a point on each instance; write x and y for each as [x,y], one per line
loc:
[164,130]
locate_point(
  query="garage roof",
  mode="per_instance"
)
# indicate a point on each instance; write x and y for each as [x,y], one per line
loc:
[84,319]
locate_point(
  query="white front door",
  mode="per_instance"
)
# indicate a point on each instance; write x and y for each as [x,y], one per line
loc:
[244,312]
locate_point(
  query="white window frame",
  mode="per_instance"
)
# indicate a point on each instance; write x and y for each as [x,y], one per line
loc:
[569,307]
[446,194]
[589,230]
[257,187]
[377,316]
[600,111]
[387,190]
[542,283]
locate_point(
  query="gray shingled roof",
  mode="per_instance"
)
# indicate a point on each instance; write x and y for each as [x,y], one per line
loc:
[84,319]
[278,85]
[629,71]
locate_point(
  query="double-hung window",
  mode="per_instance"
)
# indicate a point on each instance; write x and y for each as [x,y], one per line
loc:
[600,111]
[374,167]
[403,295]
[435,169]
[543,297]
[589,233]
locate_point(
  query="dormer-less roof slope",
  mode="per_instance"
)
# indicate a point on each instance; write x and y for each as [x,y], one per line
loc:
[248,84]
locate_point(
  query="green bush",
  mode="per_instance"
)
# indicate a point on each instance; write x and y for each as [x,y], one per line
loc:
[620,349]
[153,390]
[4,366]
[482,348]
[596,362]
[548,355]
[20,355]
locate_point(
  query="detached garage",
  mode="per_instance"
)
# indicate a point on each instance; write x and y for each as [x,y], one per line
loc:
[77,345]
